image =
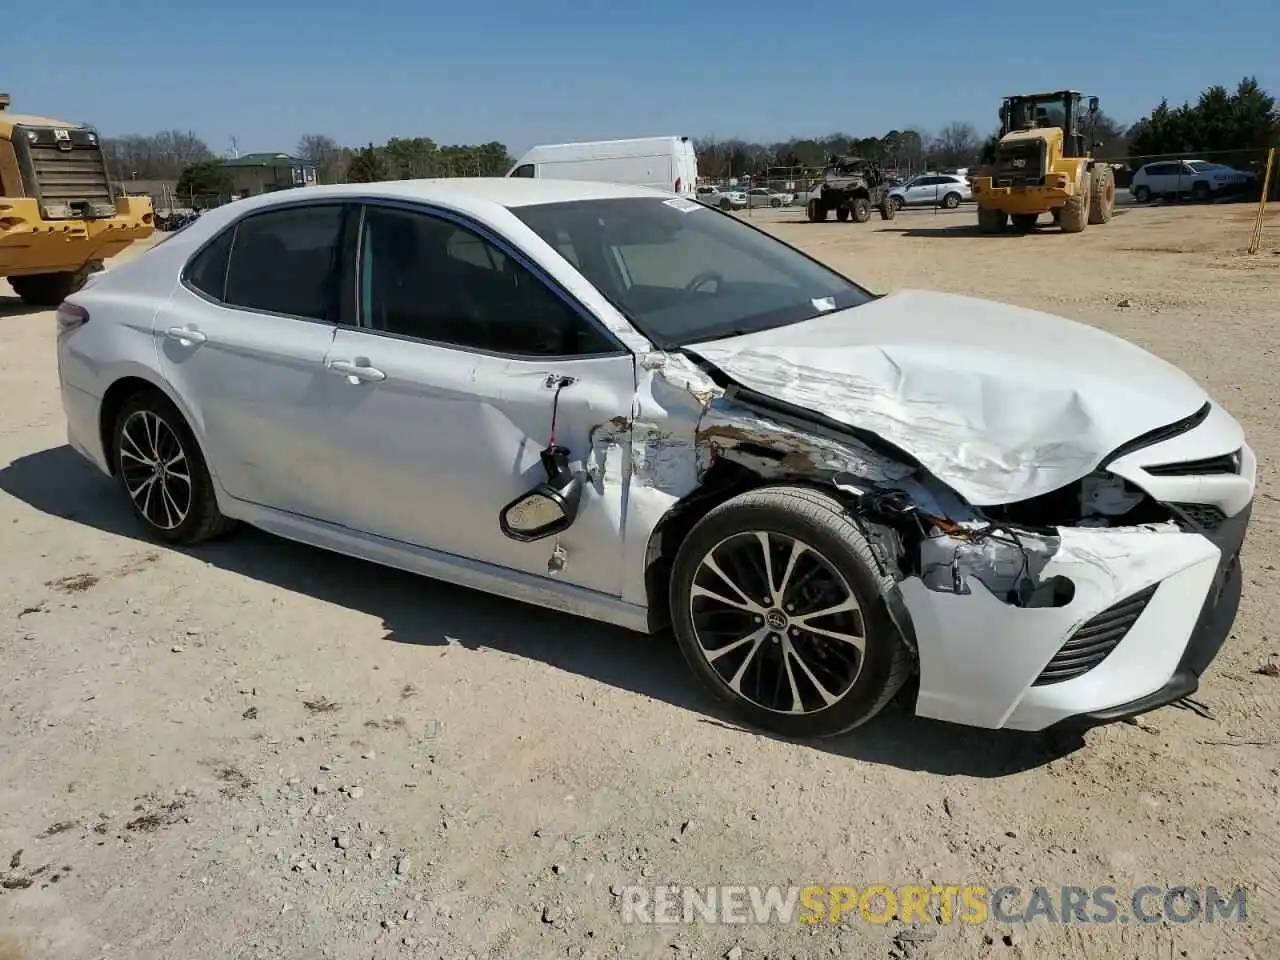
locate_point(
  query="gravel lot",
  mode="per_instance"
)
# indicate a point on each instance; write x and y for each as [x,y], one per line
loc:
[255,749]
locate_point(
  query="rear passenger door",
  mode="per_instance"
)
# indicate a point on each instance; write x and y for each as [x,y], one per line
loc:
[242,341]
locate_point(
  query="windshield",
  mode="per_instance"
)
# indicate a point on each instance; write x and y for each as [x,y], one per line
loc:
[683,272]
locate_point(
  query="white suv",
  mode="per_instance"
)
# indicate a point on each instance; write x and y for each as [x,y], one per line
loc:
[1199,178]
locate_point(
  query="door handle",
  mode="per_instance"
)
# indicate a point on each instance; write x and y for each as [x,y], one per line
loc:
[358,371]
[187,336]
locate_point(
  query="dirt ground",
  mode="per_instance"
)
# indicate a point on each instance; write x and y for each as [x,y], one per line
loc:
[254,749]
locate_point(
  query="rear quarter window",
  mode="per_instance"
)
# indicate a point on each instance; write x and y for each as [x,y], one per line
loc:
[207,270]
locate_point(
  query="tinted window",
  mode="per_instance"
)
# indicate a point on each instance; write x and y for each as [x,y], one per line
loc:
[686,272]
[207,271]
[524,170]
[1161,169]
[428,278]
[285,261]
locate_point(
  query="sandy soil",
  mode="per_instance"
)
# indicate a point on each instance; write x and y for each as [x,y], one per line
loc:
[254,749]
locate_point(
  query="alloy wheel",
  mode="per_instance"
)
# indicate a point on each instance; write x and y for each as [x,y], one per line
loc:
[155,469]
[777,622]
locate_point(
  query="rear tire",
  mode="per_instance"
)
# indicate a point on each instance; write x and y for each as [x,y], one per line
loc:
[162,471]
[991,221]
[888,210]
[1025,222]
[951,201]
[816,211]
[897,202]
[1141,194]
[842,214]
[861,210]
[1075,212]
[50,289]
[1103,202]
[834,568]
[1200,191]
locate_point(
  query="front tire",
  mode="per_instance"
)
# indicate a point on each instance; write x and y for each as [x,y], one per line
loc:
[860,210]
[776,602]
[888,210]
[163,473]
[1103,202]
[817,212]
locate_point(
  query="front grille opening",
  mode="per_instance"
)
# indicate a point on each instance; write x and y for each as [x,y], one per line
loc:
[1225,464]
[1094,640]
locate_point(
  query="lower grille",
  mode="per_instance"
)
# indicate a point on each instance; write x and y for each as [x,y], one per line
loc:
[1198,517]
[1094,640]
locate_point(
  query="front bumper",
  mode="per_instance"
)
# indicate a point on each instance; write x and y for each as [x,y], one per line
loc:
[983,661]
[1212,627]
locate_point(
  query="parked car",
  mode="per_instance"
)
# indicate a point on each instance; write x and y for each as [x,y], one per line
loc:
[764,197]
[1198,179]
[724,198]
[610,401]
[947,190]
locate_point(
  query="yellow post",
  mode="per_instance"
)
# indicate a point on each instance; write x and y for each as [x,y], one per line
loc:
[1256,241]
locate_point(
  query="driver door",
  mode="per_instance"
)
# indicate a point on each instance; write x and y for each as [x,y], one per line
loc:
[441,398]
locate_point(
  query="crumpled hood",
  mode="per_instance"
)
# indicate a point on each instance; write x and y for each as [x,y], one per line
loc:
[999,402]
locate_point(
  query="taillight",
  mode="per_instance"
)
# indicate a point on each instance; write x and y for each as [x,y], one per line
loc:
[70,316]
[677,184]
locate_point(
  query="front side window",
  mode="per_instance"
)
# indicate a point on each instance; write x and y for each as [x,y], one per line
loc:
[524,170]
[286,261]
[431,279]
[681,272]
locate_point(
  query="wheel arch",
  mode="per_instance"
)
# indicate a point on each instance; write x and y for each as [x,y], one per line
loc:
[725,480]
[118,394]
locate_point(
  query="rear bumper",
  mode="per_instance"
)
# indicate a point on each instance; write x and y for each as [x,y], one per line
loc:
[30,244]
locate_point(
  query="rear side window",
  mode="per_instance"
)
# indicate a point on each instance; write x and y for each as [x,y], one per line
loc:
[207,271]
[286,261]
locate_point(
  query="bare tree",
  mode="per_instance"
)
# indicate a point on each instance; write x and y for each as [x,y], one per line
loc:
[956,145]
[331,159]
[160,156]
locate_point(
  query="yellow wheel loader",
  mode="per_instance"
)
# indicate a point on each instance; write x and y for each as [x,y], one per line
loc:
[1044,164]
[59,218]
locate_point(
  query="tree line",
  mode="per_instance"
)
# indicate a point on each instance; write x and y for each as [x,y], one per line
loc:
[1220,122]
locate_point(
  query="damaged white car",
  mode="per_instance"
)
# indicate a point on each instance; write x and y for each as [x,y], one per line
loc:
[625,405]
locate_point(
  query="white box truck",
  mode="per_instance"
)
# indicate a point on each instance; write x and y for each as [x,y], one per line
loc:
[668,163]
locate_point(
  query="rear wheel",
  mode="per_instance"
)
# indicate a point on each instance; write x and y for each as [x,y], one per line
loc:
[1141,194]
[817,212]
[1103,202]
[50,289]
[1075,212]
[1200,191]
[162,471]
[842,214]
[897,202]
[1025,222]
[888,210]
[776,604]
[991,221]
[951,201]
[861,210]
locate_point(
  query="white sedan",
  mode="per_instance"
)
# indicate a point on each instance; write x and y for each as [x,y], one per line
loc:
[623,404]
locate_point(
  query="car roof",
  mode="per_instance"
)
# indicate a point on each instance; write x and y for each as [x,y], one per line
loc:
[471,194]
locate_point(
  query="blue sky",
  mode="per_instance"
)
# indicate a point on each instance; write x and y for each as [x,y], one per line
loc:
[467,71]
